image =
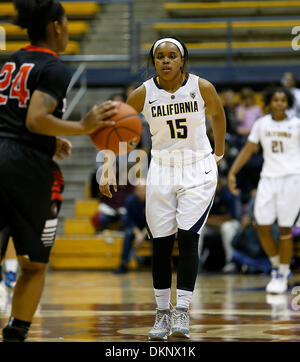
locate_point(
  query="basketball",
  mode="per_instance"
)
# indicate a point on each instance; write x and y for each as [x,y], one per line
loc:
[128,128]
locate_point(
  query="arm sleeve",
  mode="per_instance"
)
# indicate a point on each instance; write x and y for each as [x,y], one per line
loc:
[54,80]
[254,135]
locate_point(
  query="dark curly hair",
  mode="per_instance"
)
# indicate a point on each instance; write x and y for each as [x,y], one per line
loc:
[34,15]
[269,94]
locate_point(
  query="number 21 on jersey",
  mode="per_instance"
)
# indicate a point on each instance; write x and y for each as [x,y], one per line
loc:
[277,146]
[18,85]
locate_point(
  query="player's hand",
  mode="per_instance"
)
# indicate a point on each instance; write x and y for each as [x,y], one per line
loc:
[63,148]
[105,182]
[99,116]
[231,181]
[139,239]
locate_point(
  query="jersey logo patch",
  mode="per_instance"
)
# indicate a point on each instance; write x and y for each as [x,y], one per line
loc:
[193,94]
[155,100]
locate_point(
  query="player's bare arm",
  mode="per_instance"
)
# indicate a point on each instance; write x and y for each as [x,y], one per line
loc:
[108,177]
[247,151]
[215,109]
[40,118]
[137,98]
[63,148]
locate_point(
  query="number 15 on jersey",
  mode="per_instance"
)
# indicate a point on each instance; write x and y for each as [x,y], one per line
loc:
[177,128]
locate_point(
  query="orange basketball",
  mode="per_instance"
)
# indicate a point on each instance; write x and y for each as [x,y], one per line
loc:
[128,128]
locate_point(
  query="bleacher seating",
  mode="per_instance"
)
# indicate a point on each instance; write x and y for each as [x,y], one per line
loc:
[222,46]
[231,30]
[74,10]
[76,30]
[12,46]
[232,8]
[80,247]
[240,28]
[82,11]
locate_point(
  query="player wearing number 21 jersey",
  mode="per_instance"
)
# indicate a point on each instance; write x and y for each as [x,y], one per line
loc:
[277,198]
[280,142]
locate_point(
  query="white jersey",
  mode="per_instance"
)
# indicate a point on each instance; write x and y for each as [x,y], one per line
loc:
[280,141]
[295,111]
[177,120]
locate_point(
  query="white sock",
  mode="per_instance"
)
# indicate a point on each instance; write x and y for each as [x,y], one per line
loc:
[284,269]
[11,265]
[274,261]
[184,298]
[162,297]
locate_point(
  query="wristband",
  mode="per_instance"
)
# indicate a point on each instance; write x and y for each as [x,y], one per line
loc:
[218,158]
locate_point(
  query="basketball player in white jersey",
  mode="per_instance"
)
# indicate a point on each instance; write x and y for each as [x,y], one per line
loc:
[278,193]
[182,177]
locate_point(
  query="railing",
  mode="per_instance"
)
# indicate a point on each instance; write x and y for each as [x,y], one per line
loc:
[104,57]
[110,57]
[77,76]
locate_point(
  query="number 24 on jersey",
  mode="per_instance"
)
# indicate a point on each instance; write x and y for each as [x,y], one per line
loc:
[18,85]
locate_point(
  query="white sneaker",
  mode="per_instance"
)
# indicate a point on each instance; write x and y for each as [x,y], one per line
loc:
[3,297]
[279,284]
[180,322]
[162,326]
[272,282]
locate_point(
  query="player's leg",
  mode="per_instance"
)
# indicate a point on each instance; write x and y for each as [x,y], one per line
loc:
[162,279]
[269,243]
[33,220]
[186,278]
[288,211]
[194,203]
[26,297]
[161,220]
[10,265]
[285,254]
[265,212]
[271,248]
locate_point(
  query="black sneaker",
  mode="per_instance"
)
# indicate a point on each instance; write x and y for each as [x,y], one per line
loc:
[14,334]
[122,269]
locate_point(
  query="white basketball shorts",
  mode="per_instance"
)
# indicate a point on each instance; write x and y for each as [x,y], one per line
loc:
[179,196]
[278,198]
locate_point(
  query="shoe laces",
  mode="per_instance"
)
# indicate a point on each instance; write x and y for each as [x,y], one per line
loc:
[11,276]
[181,317]
[162,320]
[274,273]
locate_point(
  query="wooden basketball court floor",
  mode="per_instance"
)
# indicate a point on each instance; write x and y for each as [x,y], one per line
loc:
[95,306]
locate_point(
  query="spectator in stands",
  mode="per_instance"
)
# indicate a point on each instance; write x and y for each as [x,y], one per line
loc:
[223,220]
[289,82]
[135,226]
[230,106]
[247,112]
[112,209]
[248,254]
